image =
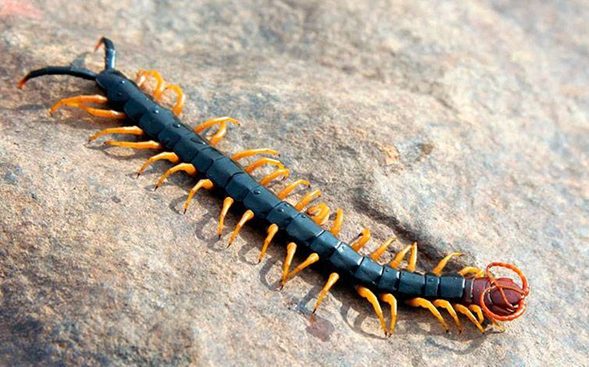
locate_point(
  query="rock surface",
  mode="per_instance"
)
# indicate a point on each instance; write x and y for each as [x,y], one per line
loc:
[463,126]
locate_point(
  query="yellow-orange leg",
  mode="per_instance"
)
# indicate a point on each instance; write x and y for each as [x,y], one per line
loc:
[134,144]
[159,88]
[376,254]
[125,130]
[442,264]
[169,156]
[422,302]
[185,167]
[466,312]
[80,102]
[399,257]
[362,240]
[283,194]
[392,302]
[272,229]
[221,122]
[333,278]
[319,213]
[263,162]
[478,311]
[279,173]
[251,152]
[310,260]
[291,248]
[307,199]
[367,293]
[336,226]
[180,98]
[248,215]
[472,271]
[226,205]
[442,303]
[201,184]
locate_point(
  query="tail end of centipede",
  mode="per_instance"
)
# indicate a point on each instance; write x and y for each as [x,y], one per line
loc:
[79,72]
[501,299]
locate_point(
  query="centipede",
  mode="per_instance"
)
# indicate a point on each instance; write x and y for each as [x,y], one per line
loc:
[477,294]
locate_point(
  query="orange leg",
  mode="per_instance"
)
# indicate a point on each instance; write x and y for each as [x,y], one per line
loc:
[367,293]
[251,152]
[442,264]
[169,156]
[272,229]
[319,213]
[311,259]
[333,278]
[422,302]
[80,102]
[221,122]
[307,199]
[262,162]
[362,240]
[282,172]
[291,187]
[392,302]
[244,218]
[472,271]
[134,144]
[201,184]
[401,255]
[127,130]
[376,254]
[442,303]
[337,222]
[226,205]
[186,167]
[291,248]
[478,311]
[180,98]
[466,312]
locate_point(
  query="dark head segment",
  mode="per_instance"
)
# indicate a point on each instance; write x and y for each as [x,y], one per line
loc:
[79,72]
[501,299]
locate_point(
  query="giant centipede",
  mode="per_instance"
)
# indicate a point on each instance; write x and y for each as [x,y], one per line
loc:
[477,294]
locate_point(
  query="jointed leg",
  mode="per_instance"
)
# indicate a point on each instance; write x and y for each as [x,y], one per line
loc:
[141,78]
[81,101]
[251,152]
[282,172]
[222,128]
[422,302]
[319,213]
[134,144]
[262,162]
[186,167]
[272,230]
[291,248]
[169,156]
[226,205]
[367,293]
[362,240]
[283,194]
[127,130]
[391,301]
[442,303]
[201,184]
[307,199]
[180,98]
[310,260]
[336,226]
[248,215]
[399,257]
[333,278]
[472,271]
[466,312]
[376,254]
[442,264]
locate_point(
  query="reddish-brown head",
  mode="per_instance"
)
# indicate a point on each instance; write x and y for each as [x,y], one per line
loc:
[501,298]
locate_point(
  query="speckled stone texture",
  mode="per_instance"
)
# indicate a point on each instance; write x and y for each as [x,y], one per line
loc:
[460,125]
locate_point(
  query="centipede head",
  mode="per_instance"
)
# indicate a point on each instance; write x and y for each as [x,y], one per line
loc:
[501,299]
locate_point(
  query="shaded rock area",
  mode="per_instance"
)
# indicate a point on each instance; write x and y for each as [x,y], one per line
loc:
[460,125]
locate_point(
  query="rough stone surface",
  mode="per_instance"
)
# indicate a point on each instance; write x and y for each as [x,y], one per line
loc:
[463,126]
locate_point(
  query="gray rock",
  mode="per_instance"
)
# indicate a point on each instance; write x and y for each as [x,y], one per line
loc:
[462,126]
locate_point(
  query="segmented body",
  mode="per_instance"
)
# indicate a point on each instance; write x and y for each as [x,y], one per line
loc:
[161,125]
[500,299]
